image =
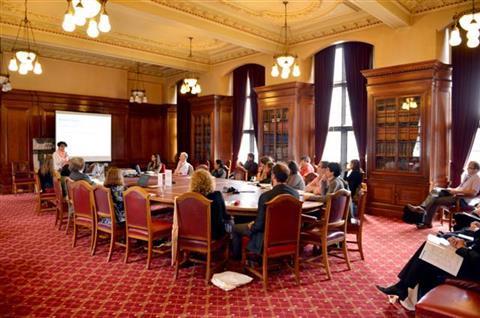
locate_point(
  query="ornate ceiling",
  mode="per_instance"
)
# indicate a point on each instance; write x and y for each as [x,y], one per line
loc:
[155,32]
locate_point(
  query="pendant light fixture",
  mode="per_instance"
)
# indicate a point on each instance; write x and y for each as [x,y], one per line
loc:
[138,95]
[190,82]
[5,84]
[25,59]
[470,22]
[91,12]
[284,62]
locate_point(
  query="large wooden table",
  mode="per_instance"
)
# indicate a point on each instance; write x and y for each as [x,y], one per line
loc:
[247,198]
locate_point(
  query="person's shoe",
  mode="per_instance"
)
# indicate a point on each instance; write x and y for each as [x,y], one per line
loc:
[407,304]
[415,208]
[422,226]
[394,290]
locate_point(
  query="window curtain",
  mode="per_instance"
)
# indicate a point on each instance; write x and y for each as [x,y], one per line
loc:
[465,106]
[256,74]
[183,120]
[324,64]
[358,56]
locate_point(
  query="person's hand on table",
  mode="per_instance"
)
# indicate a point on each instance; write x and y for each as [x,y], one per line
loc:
[456,242]
[249,225]
[475,226]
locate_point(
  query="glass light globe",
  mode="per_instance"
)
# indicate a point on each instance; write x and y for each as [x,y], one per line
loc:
[194,90]
[86,8]
[285,60]
[12,65]
[144,100]
[184,89]
[68,22]
[285,73]
[275,71]
[473,43]
[473,34]
[104,24]
[191,81]
[79,19]
[92,29]
[296,70]
[23,69]
[455,38]
[29,65]
[131,100]
[199,89]
[37,69]
[467,19]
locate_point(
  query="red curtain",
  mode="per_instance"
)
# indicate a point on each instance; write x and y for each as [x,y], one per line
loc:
[358,56]
[465,106]
[256,74]
[324,64]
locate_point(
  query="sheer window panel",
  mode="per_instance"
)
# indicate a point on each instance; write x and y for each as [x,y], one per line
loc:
[348,114]
[338,70]
[336,108]
[352,150]
[247,118]
[332,151]
[475,152]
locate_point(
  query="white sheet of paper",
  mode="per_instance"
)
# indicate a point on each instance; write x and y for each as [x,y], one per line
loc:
[440,255]
[160,179]
[168,178]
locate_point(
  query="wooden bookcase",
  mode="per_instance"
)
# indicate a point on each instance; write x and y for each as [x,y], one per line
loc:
[286,120]
[409,115]
[211,128]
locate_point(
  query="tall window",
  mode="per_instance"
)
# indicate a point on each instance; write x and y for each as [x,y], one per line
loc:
[341,145]
[475,152]
[249,143]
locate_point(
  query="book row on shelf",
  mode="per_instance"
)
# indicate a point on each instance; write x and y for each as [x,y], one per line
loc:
[405,149]
[270,138]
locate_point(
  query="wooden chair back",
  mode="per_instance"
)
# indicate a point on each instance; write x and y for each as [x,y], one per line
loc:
[137,208]
[228,165]
[194,217]
[309,177]
[103,204]
[337,209]
[83,199]
[69,184]
[21,169]
[362,202]
[282,222]
[240,174]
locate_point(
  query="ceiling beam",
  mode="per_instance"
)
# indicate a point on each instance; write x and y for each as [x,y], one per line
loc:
[389,12]
[63,40]
[211,28]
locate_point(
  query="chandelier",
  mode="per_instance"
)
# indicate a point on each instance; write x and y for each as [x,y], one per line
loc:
[4,78]
[470,22]
[409,103]
[138,95]
[286,60]
[25,60]
[190,82]
[80,11]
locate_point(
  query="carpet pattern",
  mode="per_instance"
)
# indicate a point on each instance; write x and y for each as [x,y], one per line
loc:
[42,275]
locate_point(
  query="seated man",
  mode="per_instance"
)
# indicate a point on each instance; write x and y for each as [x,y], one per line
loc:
[470,186]
[250,166]
[428,276]
[334,182]
[319,184]
[255,229]
[183,167]
[463,219]
[305,166]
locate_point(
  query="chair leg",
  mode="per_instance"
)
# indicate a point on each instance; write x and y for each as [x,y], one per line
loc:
[325,260]
[360,245]
[149,252]
[74,233]
[296,271]
[209,267]
[177,265]
[127,249]
[265,273]
[39,206]
[14,188]
[345,253]
[95,236]
[113,239]
[69,218]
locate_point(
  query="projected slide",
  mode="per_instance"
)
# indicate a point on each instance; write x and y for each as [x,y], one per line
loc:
[88,135]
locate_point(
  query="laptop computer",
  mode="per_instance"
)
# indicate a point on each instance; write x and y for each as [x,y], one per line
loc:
[143,180]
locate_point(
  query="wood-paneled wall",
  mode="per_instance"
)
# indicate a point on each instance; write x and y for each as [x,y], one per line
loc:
[137,130]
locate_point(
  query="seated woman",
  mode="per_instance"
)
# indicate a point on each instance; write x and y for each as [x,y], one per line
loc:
[46,173]
[428,276]
[76,166]
[220,170]
[354,176]
[295,180]
[203,183]
[267,172]
[114,181]
[261,174]
[156,164]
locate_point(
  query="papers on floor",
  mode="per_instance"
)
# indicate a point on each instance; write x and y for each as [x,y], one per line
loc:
[230,280]
[438,252]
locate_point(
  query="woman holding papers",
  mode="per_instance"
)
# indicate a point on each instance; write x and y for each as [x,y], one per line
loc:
[427,276]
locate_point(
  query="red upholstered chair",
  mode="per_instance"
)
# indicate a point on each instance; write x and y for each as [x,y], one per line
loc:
[139,223]
[104,210]
[331,229]
[61,203]
[194,232]
[355,224]
[83,209]
[309,177]
[22,175]
[451,300]
[45,200]
[281,235]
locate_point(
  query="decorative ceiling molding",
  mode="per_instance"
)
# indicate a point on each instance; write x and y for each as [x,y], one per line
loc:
[424,6]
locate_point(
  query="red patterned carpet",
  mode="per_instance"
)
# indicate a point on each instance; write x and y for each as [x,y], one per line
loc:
[42,275]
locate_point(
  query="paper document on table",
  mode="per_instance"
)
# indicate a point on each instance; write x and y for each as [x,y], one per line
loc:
[438,252]
[168,178]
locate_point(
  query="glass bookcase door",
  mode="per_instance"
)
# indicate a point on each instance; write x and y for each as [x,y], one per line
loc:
[409,135]
[275,133]
[386,134]
[202,137]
